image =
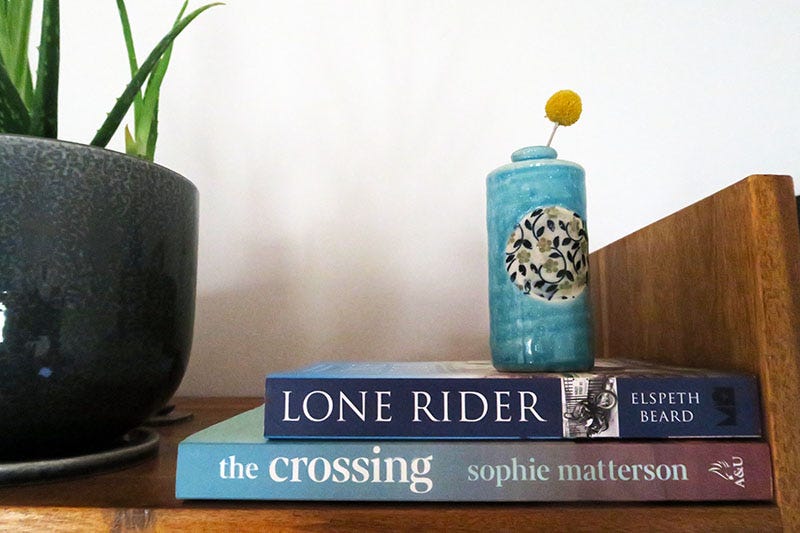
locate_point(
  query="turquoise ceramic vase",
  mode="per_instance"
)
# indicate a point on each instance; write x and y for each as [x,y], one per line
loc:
[538,264]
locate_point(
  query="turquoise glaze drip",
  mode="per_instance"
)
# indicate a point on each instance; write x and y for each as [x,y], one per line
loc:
[538,264]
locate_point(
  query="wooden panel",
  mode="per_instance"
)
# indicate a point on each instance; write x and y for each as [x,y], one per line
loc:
[716,285]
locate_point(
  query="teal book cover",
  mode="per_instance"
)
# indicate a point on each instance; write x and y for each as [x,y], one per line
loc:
[232,460]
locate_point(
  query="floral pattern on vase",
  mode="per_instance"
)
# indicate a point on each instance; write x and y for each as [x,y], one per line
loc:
[547,254]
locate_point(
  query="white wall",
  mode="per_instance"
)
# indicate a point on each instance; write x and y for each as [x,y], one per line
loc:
[340,148]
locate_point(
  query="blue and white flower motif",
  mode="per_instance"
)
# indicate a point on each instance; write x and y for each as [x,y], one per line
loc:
[547,254]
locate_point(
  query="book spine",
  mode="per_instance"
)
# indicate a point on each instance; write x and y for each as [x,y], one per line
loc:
[509,408]
[716,470]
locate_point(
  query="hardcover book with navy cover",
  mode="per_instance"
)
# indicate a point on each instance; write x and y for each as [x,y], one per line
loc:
[471,400]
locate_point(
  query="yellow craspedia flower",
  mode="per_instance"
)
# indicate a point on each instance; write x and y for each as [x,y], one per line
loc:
[564,108]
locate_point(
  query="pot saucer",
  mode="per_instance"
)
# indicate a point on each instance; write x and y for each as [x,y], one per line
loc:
[135,445]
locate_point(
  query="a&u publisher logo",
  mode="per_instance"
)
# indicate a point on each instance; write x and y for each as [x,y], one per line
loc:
[732,471]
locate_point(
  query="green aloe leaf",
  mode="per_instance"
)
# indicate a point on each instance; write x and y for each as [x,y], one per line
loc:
[44,112]
[130,142]
[15,22]
[147,123]
[150,149]
[134,144]
[14,116]
[143,142]
[124,102]
[133,64]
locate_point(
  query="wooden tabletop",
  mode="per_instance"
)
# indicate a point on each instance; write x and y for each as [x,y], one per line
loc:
[141,497]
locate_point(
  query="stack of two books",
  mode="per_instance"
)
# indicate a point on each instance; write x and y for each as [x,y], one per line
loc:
[461,431]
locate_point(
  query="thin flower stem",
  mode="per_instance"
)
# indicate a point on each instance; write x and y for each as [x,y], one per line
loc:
[552,134]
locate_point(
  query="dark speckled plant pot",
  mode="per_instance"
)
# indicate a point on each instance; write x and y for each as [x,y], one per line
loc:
[98,263]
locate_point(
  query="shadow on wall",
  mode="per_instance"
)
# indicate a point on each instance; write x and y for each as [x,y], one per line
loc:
[331,269]
[290,321]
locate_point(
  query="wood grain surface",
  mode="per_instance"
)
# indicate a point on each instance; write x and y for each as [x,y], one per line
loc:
[716,285]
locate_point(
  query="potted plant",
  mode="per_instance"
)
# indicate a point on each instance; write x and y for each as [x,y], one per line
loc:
[98,254]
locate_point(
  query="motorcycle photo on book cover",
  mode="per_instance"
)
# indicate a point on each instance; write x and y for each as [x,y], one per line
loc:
[588,410]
